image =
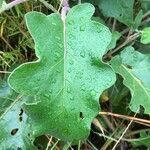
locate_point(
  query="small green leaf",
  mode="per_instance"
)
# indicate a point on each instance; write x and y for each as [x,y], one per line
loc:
[69,75]
[14,133]
[7,96]
[143,140]
[122,10]
[134,68]
[115,36]
[137,20]
[145,36]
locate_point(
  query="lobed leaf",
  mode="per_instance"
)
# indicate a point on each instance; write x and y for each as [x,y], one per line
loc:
[69,75]
[14,129]
[134,68]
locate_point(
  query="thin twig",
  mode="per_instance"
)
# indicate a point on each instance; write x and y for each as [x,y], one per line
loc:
[114,24]
[61,3]
[11,4]
[49,143]
[97,124]
[5,72]
[49,6]
[142,23]
[146,14]
[127,41]
[123,134]
[125,117]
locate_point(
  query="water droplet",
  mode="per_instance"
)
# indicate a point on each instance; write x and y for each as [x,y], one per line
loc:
[71,98]
[60,45]
[50,90]
[54,80]
[38,79]
[53,23]
[93,93]
[57,37]
[82,28]
[71,36]
[68,89]
[71,22]
[83,87]
[46,95]
[82,19]
[57,56]
[71,62]
[82,54]
[58,71]
[69,70]
[75,27]
[99,30]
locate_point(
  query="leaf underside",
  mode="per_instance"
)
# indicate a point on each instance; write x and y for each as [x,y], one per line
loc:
[134,68]
[14,129]
[68,76]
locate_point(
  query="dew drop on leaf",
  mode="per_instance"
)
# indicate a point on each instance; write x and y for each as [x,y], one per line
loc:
[71,22]
[50,90]
[57,37]
[83,87]
[58,70]
[69,70]
[82,53]
[54,80]
[60,45]
[68,89]
[71,62]
[71,98]
[58,55]
[82,28]
[93,92]
[53,23]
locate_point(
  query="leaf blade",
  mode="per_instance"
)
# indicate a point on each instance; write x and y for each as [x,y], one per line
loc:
[68,81]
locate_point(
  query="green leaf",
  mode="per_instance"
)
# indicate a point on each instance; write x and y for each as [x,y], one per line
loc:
[13,126]
[1,3]
[115,36]
[122,10]
[118,94]
[137,20]
[144,139]
[69,75]
[145,36]
[134,68]
[145,4]
[7,96]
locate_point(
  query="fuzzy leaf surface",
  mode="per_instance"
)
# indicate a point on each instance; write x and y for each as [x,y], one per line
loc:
[134,68]
[122,10]
[14,133]
[69,75]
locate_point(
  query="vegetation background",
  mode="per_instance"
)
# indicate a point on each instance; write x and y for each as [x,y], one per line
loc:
[116,123]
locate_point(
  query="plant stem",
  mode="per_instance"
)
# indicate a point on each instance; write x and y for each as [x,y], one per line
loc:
[125,117]
[123,133]
[47,5]
[64,9]
[127,41]
[11,4]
